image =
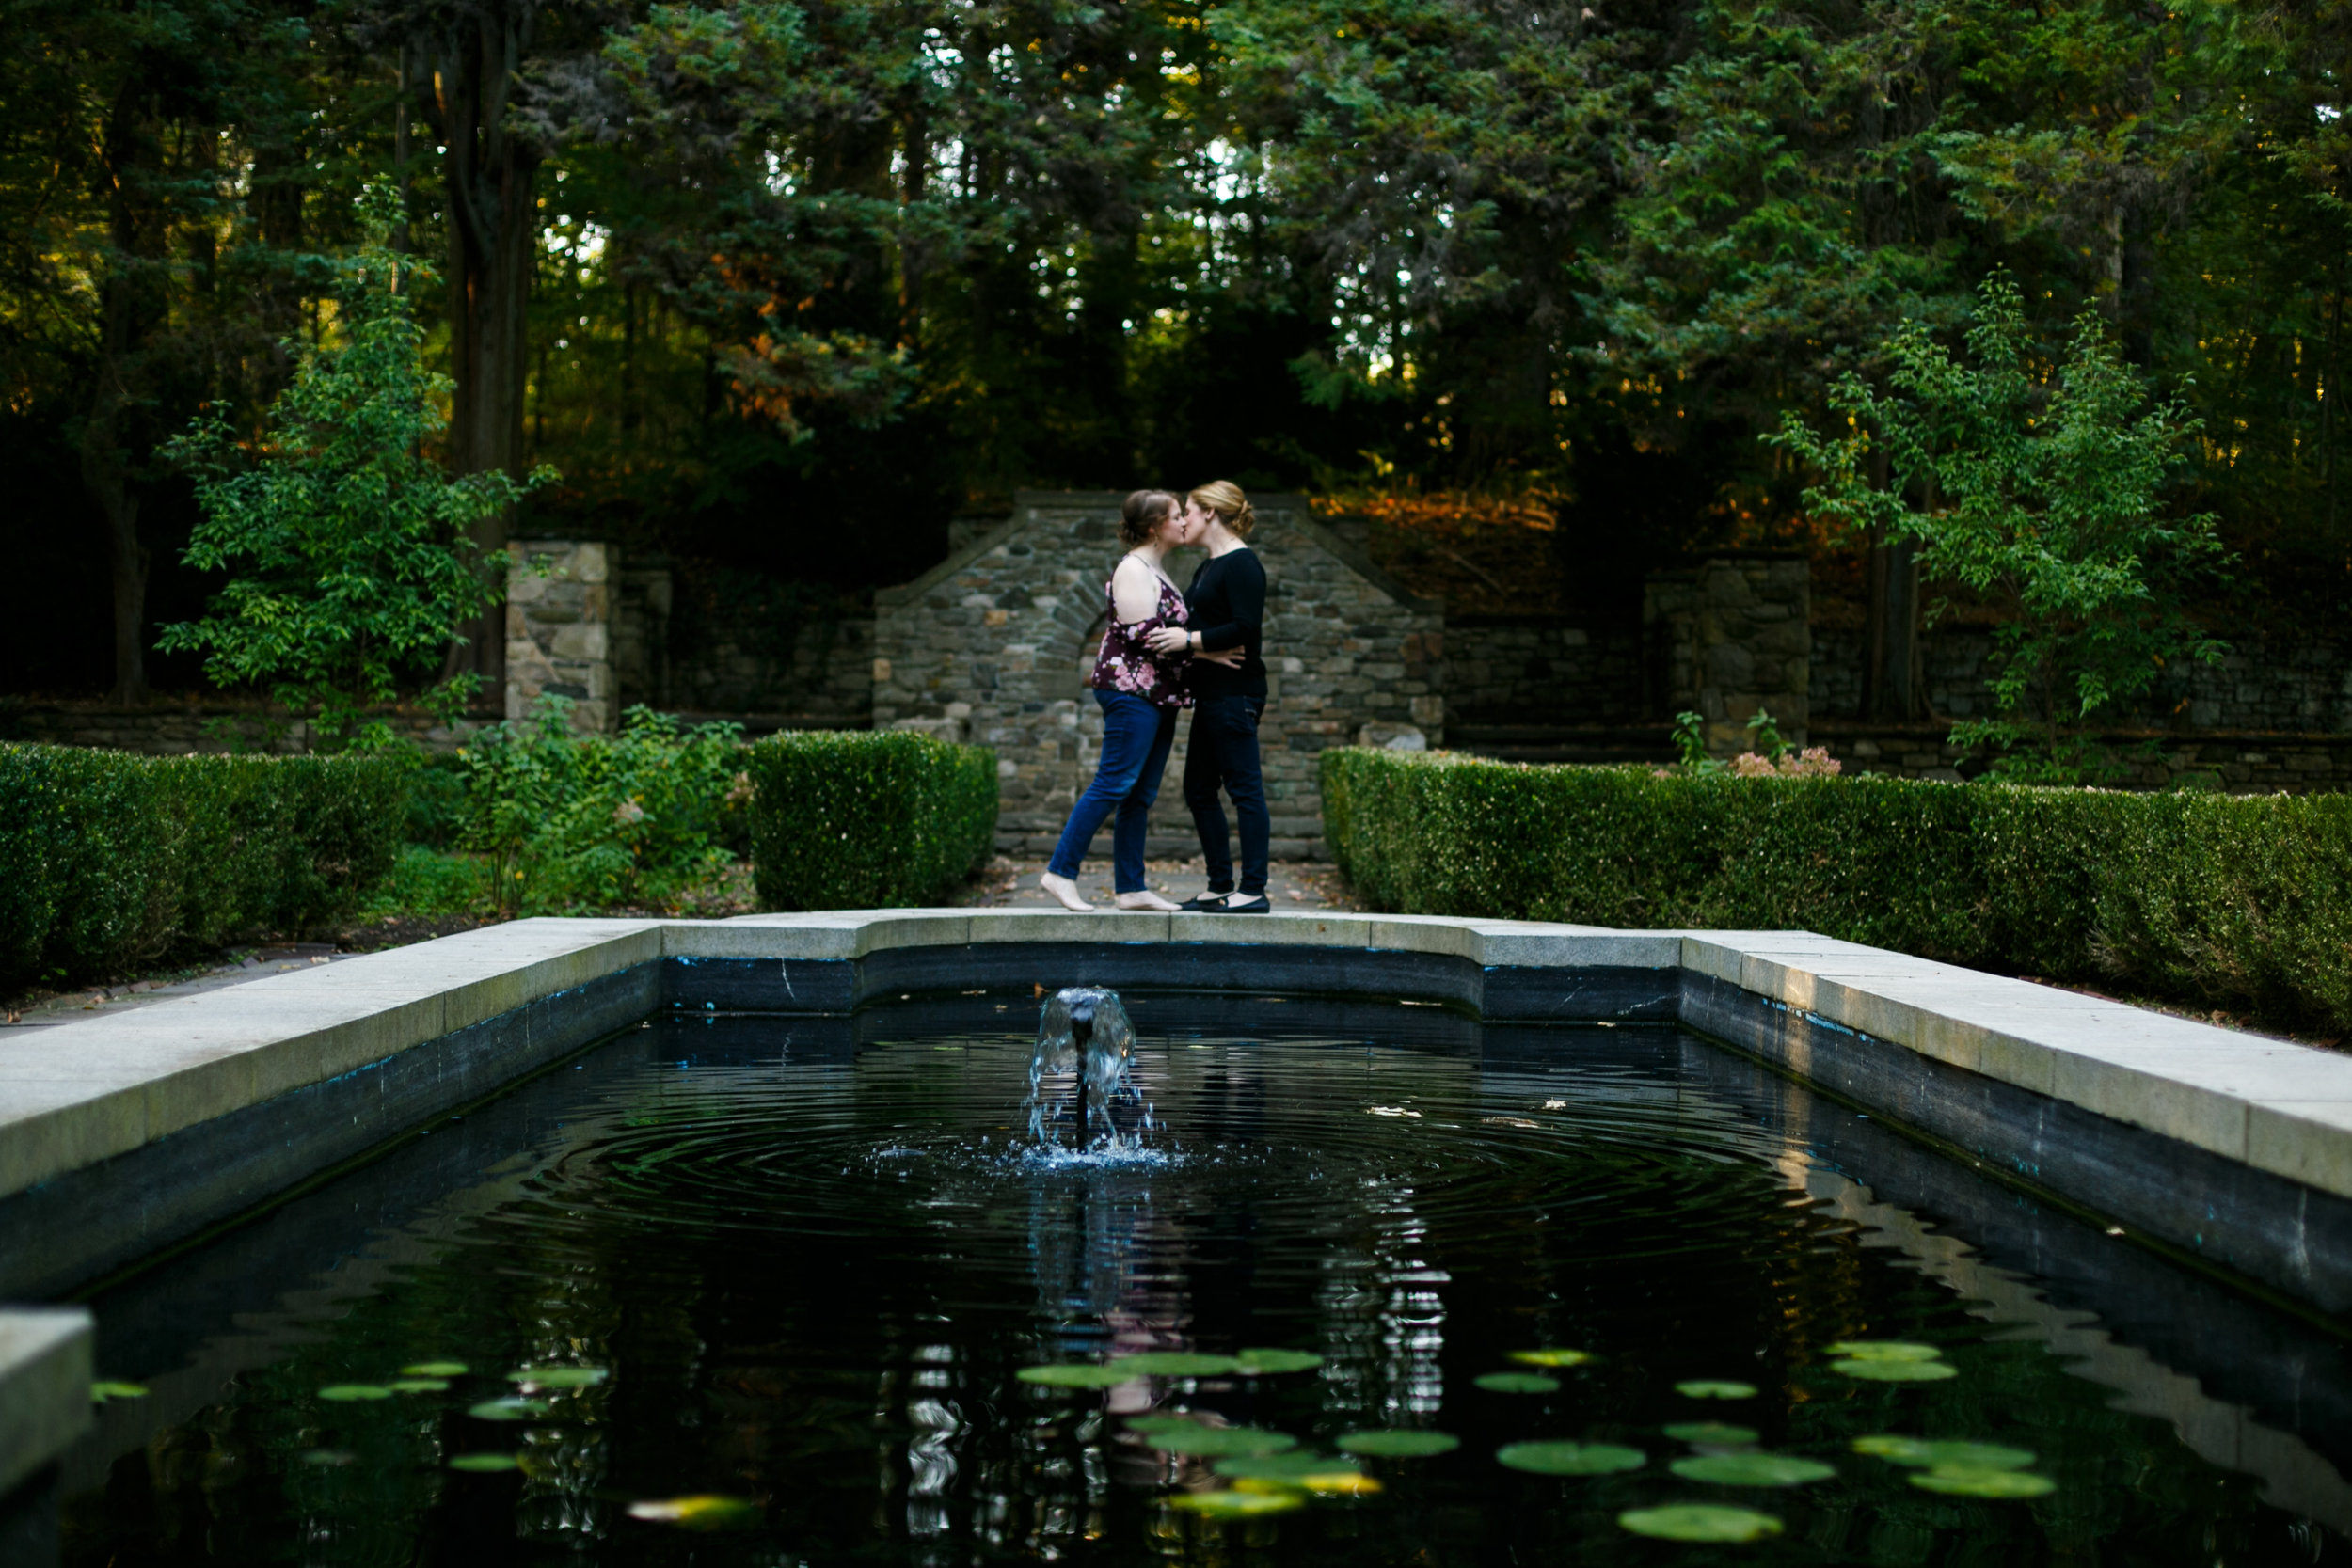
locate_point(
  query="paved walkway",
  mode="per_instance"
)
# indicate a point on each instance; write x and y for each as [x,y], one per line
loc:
[1297,885]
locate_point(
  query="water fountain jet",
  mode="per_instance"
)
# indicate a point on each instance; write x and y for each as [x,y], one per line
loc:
[1085,1031]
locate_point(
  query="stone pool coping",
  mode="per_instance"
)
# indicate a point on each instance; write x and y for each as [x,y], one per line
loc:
[444,1021]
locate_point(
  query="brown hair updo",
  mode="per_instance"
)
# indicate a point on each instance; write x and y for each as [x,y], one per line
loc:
[1224,498]
[1141,514]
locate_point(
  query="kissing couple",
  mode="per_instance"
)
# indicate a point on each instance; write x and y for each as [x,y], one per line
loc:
[1165,649]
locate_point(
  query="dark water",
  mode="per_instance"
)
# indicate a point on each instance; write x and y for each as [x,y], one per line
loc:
[812,1264]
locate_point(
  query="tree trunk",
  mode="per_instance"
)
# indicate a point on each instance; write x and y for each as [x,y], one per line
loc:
[1889,690]
[124,310]
[492,219]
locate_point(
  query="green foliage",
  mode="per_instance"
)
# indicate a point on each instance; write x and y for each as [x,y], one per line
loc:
[2243,900]
[2039,488]
[113,859]
[847,819]
[572,823]
[345,543]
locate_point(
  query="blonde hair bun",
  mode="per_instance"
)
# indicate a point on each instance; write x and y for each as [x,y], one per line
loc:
[1224,498]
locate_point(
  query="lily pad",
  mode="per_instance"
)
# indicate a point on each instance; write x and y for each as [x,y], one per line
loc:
[1195,1438]
[485,1462]
[1884,1349]
[345,1393]
[1699,1522]
[1712,1434]
[1571,1459]
[1176,1363]
[327,1459]
[1896,1371]
[435,1368]
[560,1377]
[1258,1363]
[1076,1374]
[1519,1383]
[1322,1483]
[100,1392]
[1164,1421]
[1398,1443]
[418,1384]
[1985,1483]
[707,1512]
[1551,1357]
[1706,1388]
[1921,1453]
[512,1408]
[1751,1469]
[1238,1505]
[1286,1466]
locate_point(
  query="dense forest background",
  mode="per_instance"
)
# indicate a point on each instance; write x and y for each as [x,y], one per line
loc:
[780,289]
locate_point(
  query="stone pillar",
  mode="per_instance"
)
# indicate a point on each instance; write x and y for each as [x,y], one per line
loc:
[1729,637]
[559,630]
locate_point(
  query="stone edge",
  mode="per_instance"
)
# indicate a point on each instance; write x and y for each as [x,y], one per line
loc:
[46,1375]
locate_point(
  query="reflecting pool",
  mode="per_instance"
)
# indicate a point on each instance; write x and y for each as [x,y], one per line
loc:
[762,1291]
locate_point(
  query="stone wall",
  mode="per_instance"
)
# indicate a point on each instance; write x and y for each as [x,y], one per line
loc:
[1541,670]
[1727,637]
[799,667]
[169,728]
[994,644]
[559,613]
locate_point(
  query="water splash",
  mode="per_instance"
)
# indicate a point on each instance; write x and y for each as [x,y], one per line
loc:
[1084,1031]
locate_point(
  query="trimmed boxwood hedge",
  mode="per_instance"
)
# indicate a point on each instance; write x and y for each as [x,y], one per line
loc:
[866,820]
[109,861]
[2237,900]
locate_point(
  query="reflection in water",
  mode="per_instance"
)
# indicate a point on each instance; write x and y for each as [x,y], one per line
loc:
[814,1273]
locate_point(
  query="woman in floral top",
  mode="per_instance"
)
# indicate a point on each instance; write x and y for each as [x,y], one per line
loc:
[1139,692]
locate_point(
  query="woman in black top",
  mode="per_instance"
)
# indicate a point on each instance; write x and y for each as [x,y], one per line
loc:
[1225,609]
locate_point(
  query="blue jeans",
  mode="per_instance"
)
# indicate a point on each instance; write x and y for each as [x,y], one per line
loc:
[1223,751]
[1135,738]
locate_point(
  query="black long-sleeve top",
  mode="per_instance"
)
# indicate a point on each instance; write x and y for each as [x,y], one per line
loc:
[1226,605]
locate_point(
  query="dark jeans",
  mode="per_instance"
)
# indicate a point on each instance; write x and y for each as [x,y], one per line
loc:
[1135,738]
[1224,751]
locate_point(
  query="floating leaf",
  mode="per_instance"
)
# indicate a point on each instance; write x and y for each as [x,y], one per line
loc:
[1519,1383]
[1551,1357]
[1076,1374]
[698,1513]
[328,1458]
[1896,1371]
[1985,1483]
[1883,1350]
[1945,1455]
[1176,1363]
[1195,1438]
[435,1368]
[1398,1443]
[100,1392]
[512,1408]
[485,1462]
[1751,1469]
[1571,1459]
[419,1385]
[559,1377]
[343,1393]
[1708,1389]
[1238,1505]
[1258,1363]
[1713,1434]
[1699,1522]
[1286,1466]
[1164,1421]
[1338,1483]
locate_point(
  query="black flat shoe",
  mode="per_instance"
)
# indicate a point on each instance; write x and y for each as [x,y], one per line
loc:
[1207,903]
[1251,905]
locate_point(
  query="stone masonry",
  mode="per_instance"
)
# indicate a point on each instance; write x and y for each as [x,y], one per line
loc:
[559,613]
[1728,637]
[994,646]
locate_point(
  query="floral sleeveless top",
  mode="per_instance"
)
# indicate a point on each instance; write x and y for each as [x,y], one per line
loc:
[1127,664]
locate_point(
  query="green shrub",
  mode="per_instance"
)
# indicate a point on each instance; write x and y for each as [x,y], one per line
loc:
[2224,900]
[111,860]
[572,823]
[847,819]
